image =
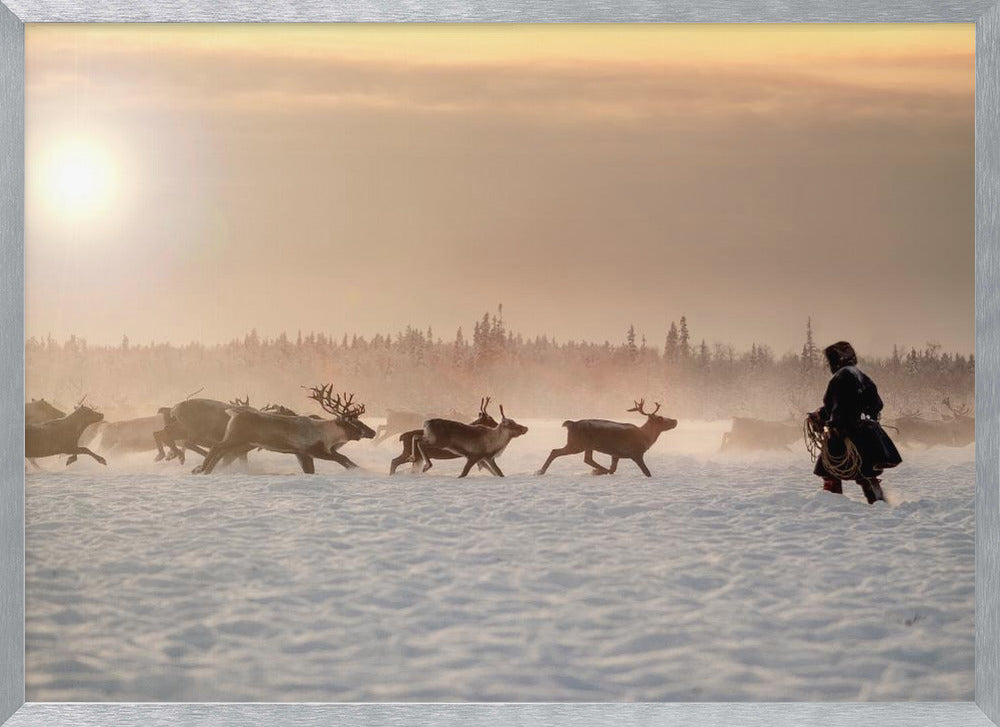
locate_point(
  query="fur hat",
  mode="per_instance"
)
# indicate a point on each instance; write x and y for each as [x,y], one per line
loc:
[840,354]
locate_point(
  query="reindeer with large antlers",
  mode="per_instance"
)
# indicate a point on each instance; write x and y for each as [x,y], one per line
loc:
[305,437]
[621,441]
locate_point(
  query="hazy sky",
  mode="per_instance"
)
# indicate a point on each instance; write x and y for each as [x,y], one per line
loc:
[192,182]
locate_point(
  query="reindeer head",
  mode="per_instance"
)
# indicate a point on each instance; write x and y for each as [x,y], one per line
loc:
[87,414]
[344,410]
[515,429]
[484,419]
[962,412]
[654,420]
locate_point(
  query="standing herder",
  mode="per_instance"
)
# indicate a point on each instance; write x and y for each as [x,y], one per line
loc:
[856,447]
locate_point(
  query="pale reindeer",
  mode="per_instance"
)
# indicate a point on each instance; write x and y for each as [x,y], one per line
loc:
[620,440]
[305,437]
[476,443]
[198,424]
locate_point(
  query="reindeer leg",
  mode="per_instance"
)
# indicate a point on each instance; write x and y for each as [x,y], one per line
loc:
[195,448]
[409,454]
[599,469]
[557,453]
[642,465]
[396,461]
[489,463]
[160,454]
[418,444]
[416,456]
[468,466]
[342,460]
[34,463]
[212,458]
[614,465]
[70,460]
[84,450]
[306,463]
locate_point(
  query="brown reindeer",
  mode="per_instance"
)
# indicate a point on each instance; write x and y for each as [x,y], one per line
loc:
[411,453]
[61,436]
[307,438]
[956,430]
[37,411]
[621,441]
[474,442]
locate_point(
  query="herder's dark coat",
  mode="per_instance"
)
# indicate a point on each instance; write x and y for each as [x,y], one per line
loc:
[851,406]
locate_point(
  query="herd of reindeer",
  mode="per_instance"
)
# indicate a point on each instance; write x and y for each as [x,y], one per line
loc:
[223,432]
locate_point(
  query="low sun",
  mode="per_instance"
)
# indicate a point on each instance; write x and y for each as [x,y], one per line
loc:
[79,178]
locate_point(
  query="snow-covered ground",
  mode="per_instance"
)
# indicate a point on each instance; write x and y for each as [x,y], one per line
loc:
[721,578]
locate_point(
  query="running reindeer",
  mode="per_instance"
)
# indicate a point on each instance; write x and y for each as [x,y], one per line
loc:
[61,436]
[621,441]
[474,442]
[305,437]
[411,453]
[198,424]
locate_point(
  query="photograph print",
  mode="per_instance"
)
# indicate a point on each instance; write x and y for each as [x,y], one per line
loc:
[521,363]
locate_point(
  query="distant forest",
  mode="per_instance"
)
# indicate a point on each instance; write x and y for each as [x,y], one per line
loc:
[533,377]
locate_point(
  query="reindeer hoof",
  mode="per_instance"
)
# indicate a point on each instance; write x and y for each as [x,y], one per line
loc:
[102,461]
[600,472]
[159,457]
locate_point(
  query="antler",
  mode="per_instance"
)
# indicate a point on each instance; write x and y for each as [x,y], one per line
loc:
[639,407]
[502,415]
[340,405]
[484,403]
[960,412]
[80,403]
[240,402]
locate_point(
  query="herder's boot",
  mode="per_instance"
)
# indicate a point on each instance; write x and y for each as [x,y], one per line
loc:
[834,486]
[872,488]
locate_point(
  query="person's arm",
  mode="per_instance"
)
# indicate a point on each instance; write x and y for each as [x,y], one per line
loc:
[873,403]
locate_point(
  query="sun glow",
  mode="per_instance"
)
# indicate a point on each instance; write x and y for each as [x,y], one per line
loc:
[79,178]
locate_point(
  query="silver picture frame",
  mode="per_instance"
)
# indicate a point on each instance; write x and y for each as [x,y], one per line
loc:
[14,712]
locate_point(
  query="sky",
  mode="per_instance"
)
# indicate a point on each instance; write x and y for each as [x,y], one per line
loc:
[190,182]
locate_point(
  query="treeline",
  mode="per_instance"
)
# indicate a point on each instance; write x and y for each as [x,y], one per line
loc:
[533,376]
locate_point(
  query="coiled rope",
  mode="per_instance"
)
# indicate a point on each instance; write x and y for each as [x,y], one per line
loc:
[845,467]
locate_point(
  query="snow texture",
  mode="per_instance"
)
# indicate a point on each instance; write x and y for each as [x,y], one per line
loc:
[720,578]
